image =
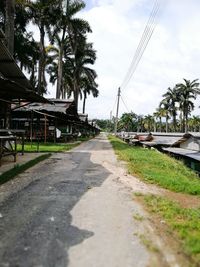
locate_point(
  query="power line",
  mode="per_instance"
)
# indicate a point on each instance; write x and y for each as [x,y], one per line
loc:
[146,36]
[125,105]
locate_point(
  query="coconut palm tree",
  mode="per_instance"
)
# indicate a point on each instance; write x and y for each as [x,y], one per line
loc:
[186,92]
[128,121]
[149,122]
[88,85]
[68,30]
[164,105]
[170,97]
[84,58]
[159,114]
[41,13]
[9,24]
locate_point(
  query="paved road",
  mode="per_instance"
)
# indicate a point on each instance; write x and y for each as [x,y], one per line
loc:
[71,212]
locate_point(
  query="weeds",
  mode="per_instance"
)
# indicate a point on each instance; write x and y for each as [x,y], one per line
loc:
[158,168]
[184,222]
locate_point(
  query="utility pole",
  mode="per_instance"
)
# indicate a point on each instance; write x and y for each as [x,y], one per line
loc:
[116,118]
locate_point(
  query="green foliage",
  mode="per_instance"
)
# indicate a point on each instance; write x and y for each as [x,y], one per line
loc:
[48,147]
[105,125]
[184,222]
[128,122]
[6,176]
[155,167]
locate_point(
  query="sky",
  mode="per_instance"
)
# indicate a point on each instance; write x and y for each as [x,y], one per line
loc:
[172,54]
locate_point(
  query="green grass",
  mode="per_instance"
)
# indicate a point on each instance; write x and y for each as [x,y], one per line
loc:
[155,167]
[6,176]
[184,223]
[48,147]
[148,243]
[138,217]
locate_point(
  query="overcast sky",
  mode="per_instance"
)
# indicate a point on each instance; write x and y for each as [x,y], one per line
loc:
[173,52]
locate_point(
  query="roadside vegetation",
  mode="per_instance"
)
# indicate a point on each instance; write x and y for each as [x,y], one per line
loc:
[48,147]
[8,175]
[51,146]
[183,223]
[155,167]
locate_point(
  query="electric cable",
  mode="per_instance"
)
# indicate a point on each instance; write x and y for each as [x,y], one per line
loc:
[146,36]
[125,104]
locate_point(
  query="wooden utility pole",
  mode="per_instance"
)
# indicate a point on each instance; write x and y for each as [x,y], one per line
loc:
[116,118]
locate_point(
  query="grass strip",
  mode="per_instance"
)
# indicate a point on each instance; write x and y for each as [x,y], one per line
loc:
[155,167]
[48,147]
[51,147]
[184,223]
[6,176]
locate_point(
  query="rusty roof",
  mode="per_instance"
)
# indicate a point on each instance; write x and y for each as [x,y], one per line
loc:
[59,106]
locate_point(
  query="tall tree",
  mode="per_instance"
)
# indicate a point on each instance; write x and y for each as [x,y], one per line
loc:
[171,98]
[41,12]
[149,122]
[187,92]
[158,114]
[68,29]
[164,105]
[88,86]
[9,24]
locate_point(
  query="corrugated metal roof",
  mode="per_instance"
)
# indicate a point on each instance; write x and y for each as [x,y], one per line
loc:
[10,91]
[184,152]
[8,67]
[195,134]
[59,106]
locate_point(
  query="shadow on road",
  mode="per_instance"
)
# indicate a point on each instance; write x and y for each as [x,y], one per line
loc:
[35,228]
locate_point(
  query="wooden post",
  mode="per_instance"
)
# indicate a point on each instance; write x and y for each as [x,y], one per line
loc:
[31,129]
[45,129]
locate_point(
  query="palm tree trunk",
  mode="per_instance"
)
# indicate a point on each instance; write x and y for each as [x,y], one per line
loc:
[84,101]
[181,122]
[166,122]
[174,122]
[154,127]
[186,123]
[9,25]
[185,126]
[160,125]
[41,67]
[60,72]
[75,90]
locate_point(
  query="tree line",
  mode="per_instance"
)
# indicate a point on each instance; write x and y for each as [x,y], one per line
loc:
[63,50]
[172,115]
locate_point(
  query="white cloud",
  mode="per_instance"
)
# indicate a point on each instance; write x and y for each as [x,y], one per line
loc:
[172,54]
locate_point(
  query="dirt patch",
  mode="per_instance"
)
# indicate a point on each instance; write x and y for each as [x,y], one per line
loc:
[169,246]
[137,185]
[185,201]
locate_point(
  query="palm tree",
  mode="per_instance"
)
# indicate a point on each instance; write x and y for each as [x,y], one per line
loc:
[164,105]
[186,92]
[140,123]
[40,13]
[149,123]
[65,32]
[88,86]
[9,24]
[170,97]
[85,56]
[128,121]
[160,112]
[194,123]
